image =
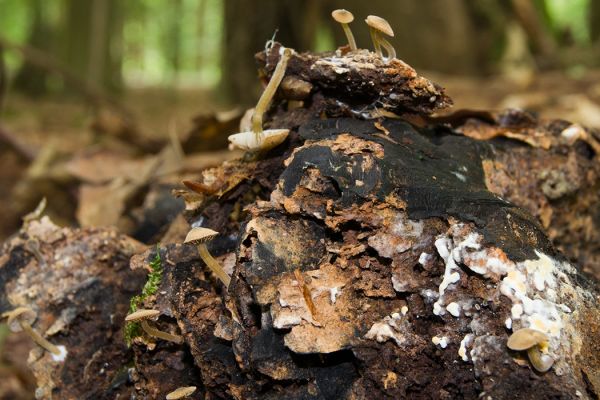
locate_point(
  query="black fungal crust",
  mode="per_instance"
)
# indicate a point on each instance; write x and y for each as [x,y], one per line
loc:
[435,172]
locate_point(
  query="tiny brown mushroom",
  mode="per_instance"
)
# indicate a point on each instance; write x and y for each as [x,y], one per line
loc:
[143,316]
[377,27]
[199,237]
[181,392]
[20,319]
[344,17]
[533,341]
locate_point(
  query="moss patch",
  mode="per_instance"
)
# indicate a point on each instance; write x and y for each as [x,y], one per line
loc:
[133,329]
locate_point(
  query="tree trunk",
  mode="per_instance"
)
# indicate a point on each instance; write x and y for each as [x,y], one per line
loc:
[92,41]
[172,42]
[249,24]
[31,79]
[594,16]
[3,78]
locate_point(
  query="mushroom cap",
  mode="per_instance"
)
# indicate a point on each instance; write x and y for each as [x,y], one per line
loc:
[24,314]
[540,361]
[248,141]
[181,392]
[342,16]
[380,24]
[200,235]
[142,314]
[525,338]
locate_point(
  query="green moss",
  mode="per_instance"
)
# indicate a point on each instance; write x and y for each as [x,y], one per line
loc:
[133,329]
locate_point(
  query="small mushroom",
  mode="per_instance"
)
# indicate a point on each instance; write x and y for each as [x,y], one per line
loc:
[257,139]
[199,237]
[344,17]
[181,392]
[377,27]
[20,319]
[143,316]
[536,343]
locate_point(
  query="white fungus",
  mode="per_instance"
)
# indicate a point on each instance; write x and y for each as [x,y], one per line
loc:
[333,293]
[454,309]
[531,284]
[462,350]
[440,341]
[60,357]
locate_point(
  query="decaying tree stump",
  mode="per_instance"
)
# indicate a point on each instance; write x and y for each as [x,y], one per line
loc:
[379,252]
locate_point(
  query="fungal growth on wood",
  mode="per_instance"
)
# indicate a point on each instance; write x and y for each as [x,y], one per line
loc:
[143,316]
[21,319]
[536,345]
[380,251]
[259,139]
[378,27]
[199,237]
[344,17]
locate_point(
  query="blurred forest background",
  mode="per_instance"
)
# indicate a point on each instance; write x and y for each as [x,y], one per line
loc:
[100,100]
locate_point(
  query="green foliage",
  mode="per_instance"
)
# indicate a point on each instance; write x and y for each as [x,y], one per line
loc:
[570,15]
[133,329]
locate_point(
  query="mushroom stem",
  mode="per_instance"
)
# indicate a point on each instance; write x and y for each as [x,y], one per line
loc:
[160,334]
[375,39]
[349,36]
[269,92]
[36,337]
[391,52]
[214,266]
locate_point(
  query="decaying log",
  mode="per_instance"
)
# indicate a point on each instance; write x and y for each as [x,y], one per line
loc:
[79,284]
[379,252]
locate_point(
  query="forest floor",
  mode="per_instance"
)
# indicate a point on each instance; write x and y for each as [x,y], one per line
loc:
[67,122]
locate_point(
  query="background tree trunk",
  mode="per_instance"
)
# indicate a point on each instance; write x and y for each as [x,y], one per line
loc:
[3,78]
[92,41]
[31,79]
[594,18]
[249,24]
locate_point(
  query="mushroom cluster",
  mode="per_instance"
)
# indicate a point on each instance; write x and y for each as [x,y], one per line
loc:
[377,27]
